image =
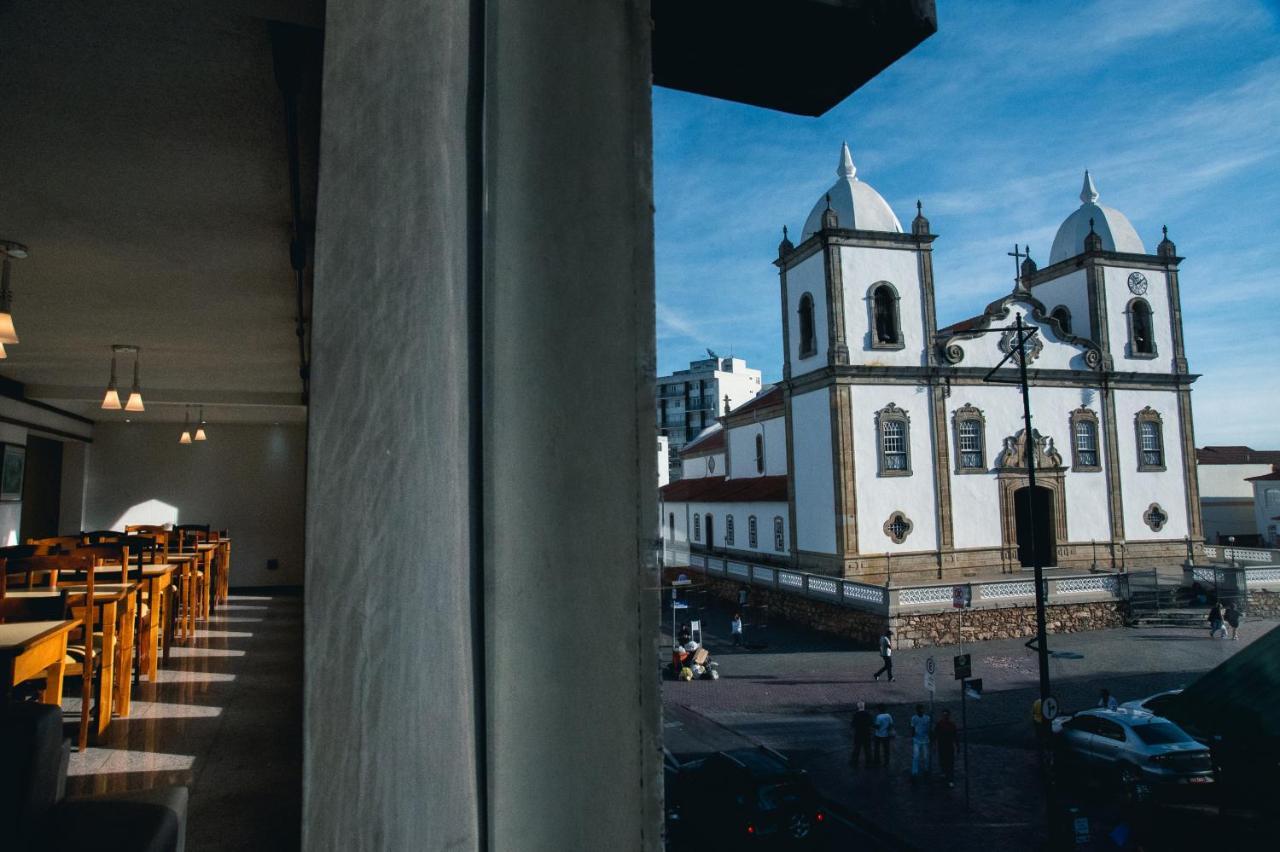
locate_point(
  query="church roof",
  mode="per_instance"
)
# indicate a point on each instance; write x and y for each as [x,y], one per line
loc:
[1266,477]
[771,395]
[1108,223]
[710,439]
[857,205]
[751,489]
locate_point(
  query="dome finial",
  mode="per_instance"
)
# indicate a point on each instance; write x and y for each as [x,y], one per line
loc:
[920,225]
[1088,192]
[785,247]
[846,168]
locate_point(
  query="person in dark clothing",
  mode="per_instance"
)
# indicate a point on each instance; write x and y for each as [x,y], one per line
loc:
[946,740]
[861,736]
[1215,623]
[886,654]
[1232,617]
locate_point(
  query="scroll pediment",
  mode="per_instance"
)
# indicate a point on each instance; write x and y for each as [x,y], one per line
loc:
[1014,453]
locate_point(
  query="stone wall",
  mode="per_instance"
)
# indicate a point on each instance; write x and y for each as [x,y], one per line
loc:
[1263,603]
[918,630]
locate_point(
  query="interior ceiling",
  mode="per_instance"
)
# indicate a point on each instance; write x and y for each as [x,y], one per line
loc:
[146,168]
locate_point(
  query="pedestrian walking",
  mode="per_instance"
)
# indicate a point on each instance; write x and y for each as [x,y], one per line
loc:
[882,733]
[1232,617]
[886,654]
[735,629]
[862,723]
[1215,622]
[1107,701]
[921,734]
[947,741]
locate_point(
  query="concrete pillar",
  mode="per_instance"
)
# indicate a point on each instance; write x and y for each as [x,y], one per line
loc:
[481,613]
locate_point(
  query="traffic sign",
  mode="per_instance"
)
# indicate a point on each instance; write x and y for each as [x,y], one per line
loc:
[963,668]
[929,683]
[930,666]
[1049,708]
[973,687]
[960,596]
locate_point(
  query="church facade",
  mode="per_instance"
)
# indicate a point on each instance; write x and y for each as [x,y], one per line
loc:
[884,454]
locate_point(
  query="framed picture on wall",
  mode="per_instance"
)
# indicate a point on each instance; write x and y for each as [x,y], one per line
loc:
[13,465]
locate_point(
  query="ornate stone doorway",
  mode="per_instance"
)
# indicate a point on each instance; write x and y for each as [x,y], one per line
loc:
[1033,524]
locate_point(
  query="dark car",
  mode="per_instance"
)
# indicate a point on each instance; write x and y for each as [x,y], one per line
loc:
[1141,752]
[742,798]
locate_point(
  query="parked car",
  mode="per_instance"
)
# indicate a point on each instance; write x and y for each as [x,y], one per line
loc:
[742,798]
[1153,703]
[1141,752]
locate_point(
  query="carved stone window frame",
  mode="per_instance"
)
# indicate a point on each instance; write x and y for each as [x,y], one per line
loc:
[1085,415]
[1132,347]
[753,538]
[1150,415]
[779,534]
[697,527]
[873,337]
[808,342]
[1155,517]
[904,529]
[728,530]
[1063,315]
[968,413]
[891,414]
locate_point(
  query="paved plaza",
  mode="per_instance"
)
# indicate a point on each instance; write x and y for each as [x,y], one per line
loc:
[794,690]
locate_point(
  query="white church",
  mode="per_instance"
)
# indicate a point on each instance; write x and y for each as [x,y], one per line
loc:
[883,455]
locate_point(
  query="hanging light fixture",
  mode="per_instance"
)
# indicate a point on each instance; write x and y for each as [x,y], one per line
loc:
[186,426]
[200,435]
[135,395]
[111,399]
[3,354]
[11,251]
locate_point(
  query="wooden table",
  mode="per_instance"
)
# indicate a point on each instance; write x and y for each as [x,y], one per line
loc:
[156,579]
[114,693]
[28,648]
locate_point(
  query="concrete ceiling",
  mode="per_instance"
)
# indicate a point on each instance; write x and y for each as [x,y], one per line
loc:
[146,168]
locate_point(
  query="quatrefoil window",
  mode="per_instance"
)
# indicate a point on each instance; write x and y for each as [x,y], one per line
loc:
[898,527]
[1155,517]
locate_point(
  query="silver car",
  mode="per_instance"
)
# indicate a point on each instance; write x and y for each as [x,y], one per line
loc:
[1139,751]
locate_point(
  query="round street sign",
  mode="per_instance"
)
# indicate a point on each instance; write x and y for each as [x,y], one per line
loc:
[930,666]
[1049,708]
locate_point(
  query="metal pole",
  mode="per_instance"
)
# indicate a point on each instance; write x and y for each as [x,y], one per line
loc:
[1042,647]
[964,724]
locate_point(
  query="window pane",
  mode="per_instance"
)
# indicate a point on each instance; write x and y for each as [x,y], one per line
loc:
[1149,433]
[970,443]
[778,543]
[1086,443]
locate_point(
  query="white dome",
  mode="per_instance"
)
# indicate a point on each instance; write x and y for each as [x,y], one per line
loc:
[1108,223]
[857,205]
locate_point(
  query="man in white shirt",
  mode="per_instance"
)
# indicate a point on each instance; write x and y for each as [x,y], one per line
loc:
[921,730]
[886,654]
[882,733]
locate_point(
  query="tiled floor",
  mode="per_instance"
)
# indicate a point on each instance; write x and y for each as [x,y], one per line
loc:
[223,718]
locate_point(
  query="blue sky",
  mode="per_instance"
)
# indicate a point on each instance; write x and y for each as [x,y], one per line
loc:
[1174,106]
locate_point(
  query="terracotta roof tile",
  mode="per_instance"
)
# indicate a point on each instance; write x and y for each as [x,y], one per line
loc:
[1236,455]
[753,489]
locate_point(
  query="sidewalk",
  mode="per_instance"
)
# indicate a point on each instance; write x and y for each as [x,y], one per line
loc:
[797,695]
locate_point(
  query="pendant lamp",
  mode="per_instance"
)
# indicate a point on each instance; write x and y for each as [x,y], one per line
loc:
[186,426]
[11,251]
[135,395]
[200,435]
[111,399]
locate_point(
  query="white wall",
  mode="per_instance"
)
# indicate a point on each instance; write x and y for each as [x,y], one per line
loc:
[975,496]
[1229,480]
[742,512]
[1266,506]
[881,496]
[742,448]
[859,269]
[1138,490]
[808,276]
[814,485]
[248,479]
[1118,298]
[697,467]
[1071,290]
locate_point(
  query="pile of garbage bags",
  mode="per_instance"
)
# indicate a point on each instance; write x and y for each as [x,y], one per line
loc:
[690,661]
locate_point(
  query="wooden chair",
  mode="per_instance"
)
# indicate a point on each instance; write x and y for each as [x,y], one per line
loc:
[161,534]
[100,537]
[188,536]
[54,545]
[84,656]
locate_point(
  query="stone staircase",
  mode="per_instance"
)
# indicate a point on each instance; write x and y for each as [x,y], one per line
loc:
[1156,600]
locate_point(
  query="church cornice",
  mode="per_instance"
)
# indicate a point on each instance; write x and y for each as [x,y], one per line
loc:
[855,239]
[1151,262]
[867,375]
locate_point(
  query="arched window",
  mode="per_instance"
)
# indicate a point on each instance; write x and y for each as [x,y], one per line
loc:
[1063,316]
[1150,439]
[728,529]
[671,526]
[779,540]
[1084,441]
[751,532]
[697,527]
[759,453]
[808,340]
[971,444]
[895,445]
[1142,342]
[886,327]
